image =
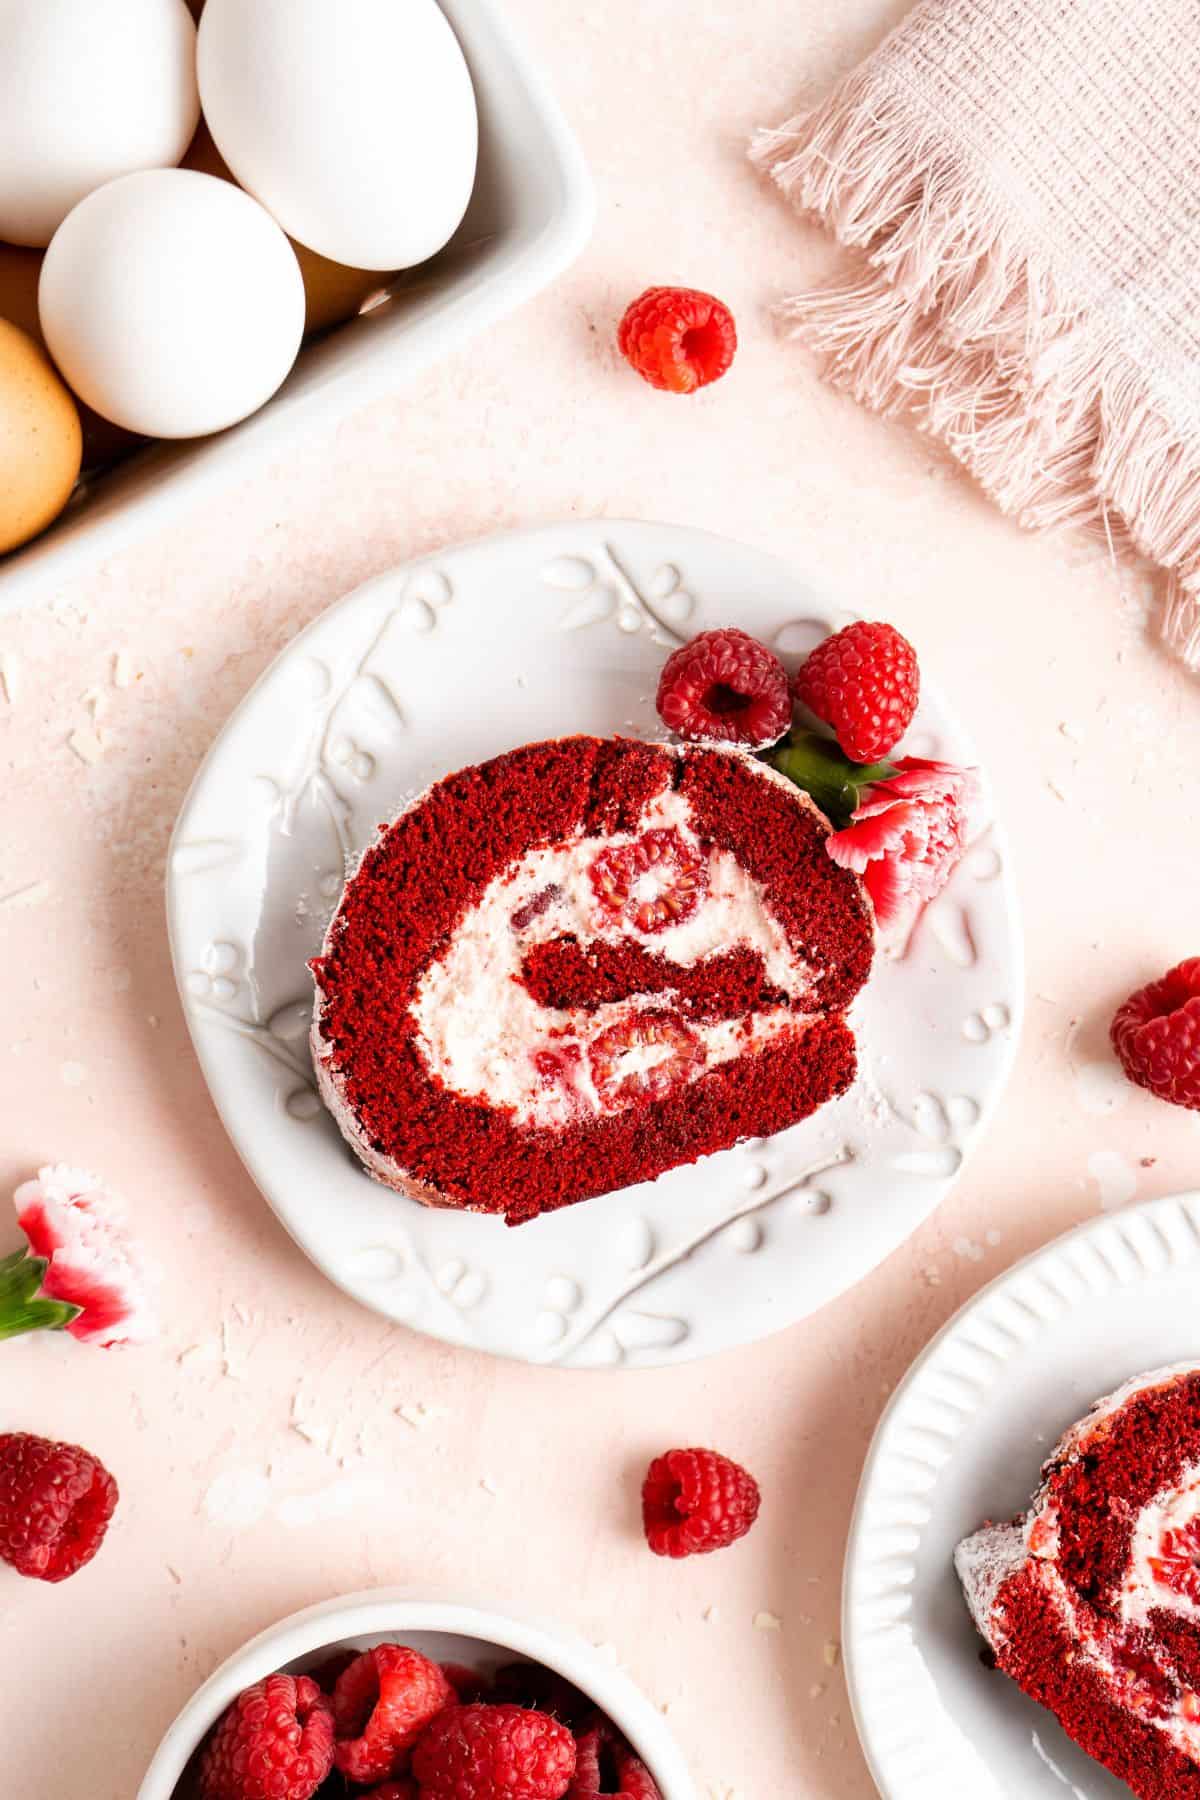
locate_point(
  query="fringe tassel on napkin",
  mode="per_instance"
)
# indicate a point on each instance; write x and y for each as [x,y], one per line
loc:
[951,317]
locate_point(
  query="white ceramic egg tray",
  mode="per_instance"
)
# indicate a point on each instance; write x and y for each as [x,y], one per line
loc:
[529,217]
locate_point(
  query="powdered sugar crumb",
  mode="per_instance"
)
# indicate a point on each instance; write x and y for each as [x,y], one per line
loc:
[238,1499]
[330,1502]
[767,1621]
[9,677]
[1114,1176]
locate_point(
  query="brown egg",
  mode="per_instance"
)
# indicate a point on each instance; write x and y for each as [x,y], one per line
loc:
[333,292]
[41,443]
[20,270]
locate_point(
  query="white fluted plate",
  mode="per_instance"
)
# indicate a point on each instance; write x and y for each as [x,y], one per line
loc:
[963,1440]
[451,660]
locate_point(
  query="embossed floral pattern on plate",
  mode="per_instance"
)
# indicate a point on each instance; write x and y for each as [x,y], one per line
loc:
[443,663]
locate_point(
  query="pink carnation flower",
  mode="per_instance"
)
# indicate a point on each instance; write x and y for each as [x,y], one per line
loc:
[93,1263]
[905,838]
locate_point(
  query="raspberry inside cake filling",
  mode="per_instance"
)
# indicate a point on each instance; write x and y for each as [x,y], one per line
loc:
[1091,1602]
[584,963]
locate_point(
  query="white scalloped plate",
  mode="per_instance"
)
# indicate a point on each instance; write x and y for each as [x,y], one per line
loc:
[962,1440]
[441,664]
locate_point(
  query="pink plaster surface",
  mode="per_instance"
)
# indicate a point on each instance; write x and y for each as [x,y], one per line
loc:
[1093,740]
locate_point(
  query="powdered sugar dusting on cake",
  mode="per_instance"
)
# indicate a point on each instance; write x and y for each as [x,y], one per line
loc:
[984,1563]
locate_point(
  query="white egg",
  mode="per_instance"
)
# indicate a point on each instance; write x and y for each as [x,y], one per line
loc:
[353,121]
[89,90]
[172,303]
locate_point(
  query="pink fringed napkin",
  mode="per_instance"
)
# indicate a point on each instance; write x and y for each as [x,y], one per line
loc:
[1024,179]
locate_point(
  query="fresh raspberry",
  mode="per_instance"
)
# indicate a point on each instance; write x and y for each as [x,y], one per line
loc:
[55,1504]
[865,683]
[642,1057]
[274,1743]
[694,1501]
[654,882]
[677,339]
[725,687]
[381,1705]
[606,1765]
[540,1689]
[494,1753]
[468,1684]
[1156,1034]
[1177,1564]
[393,1790]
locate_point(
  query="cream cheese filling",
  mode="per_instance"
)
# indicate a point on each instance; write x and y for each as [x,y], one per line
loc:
[481,1032]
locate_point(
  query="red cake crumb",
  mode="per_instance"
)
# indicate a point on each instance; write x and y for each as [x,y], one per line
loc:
[432,866]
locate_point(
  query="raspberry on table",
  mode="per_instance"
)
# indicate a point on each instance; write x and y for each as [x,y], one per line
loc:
[274,1743]
[381,1705]
[864,682]
[725,687]
[677,339]
[494,1753]
[56,1501]
[694,1501]
[1156,1035]
[605,1765]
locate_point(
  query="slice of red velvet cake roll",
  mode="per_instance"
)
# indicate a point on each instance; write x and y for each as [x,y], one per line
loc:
[1091,1602]
[581,964]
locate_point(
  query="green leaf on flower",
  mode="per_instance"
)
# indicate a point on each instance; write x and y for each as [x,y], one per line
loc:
[21,1308]
[816,765]
[36,1315]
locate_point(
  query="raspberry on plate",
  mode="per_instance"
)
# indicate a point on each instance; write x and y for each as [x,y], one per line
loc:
[725,687]
[494,1753]
[605,1765]
[274,1743]
[381,1705]
[1156,1035]
[677,339]
[864,682]
[694,1501]
[56,1501]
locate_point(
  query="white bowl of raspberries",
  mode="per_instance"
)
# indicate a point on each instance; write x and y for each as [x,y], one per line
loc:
[386,1696]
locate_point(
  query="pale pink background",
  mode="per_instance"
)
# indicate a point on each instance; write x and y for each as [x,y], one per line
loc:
[535,422]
